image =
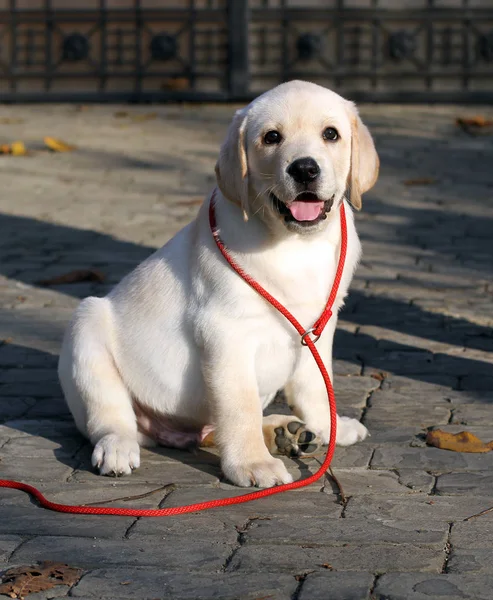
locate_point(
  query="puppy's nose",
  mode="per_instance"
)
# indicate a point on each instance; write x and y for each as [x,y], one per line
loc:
[304,170]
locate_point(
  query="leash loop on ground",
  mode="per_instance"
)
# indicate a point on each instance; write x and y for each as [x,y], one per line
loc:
[305,340]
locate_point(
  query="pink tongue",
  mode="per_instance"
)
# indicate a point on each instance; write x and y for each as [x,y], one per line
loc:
[306,211]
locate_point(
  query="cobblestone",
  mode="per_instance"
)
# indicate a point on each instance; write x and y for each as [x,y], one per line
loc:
[414,349]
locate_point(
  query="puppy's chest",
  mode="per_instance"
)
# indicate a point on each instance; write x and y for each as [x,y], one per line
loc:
[304,292]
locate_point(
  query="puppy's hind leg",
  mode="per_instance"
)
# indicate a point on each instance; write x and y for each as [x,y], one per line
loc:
[96,395]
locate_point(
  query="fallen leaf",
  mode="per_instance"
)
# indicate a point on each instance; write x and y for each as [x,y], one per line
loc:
[420,181]
[18,149]
[477,125]
[15,149]
[21,581]
[144,117]
[120,114]
[457,442]
[477,121]
[176,84]
[10,121]
[380,376]
[74,277]
[327,566]
[8,340]
[125,582]
[193,201]
[57,145]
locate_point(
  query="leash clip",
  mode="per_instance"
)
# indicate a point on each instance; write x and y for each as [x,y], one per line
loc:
[307,332]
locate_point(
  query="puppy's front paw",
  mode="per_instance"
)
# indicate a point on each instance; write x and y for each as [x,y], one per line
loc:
[116,455]
[350,431]
[261,473]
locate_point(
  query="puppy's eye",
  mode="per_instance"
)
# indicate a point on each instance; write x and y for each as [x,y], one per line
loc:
[330,134]
[272,137]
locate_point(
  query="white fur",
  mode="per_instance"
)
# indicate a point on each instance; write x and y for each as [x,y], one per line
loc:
[187,337]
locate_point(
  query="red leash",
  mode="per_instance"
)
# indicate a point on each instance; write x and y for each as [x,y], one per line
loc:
[306,340]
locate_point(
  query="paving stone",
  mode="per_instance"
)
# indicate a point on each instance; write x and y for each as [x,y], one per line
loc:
[378,417]
[472,414]
[160,472]
[336,586]
[465,483]
[366,481]
[418,586]
[147,583]
[22,520]
[354,390]
[8,543]
[19,356]
[32,469]
[416,481]
[470,560]
[440,508]
[205,526]
[301,503]
[37,447]
[107,491]
[379,558]
[50,428]
[201,555]
[313,532]
[13,407]
[430,458]
[476,533]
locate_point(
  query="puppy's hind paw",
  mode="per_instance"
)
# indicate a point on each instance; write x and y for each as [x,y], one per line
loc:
[294,439]
[116,455]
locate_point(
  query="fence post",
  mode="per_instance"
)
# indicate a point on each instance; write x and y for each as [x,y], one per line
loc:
[238,76]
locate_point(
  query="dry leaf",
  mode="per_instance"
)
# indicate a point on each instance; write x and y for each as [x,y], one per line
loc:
[10,121]
[420,181]
[176,84]
[457,442]
[21,581]
[18,149]
[57,145]
[144,117]
[120,114]
[74,277]
[477,125]
[193,201]
[380,376]
[15,149]
[477,121]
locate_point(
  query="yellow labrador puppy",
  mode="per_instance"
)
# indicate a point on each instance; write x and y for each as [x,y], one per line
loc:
[183,345]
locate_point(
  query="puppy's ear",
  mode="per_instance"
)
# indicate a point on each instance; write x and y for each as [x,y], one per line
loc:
[365,163]
[232,165]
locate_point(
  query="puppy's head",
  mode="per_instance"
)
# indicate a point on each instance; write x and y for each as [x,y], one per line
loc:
[292,154]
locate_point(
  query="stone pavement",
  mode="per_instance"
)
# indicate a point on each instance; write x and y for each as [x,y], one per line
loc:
[414,350]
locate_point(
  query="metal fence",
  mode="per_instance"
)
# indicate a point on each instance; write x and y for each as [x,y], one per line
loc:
[156,50]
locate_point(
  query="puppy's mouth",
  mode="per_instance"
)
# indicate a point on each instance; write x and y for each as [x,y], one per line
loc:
[306,209]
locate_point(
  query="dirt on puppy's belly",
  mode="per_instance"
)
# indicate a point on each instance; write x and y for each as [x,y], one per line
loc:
[167,431]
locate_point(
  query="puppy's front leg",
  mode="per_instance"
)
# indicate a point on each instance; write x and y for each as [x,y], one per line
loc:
[237,412]
[307,396]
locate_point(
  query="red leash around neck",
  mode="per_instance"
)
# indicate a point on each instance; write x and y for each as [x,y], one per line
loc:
[305,339]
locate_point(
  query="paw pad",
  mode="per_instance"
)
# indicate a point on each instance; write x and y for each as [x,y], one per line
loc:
[295,440]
